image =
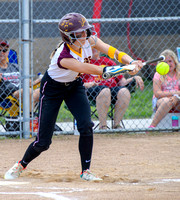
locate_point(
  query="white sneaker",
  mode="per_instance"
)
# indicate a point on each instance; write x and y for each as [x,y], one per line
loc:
[14,172]
[88,176]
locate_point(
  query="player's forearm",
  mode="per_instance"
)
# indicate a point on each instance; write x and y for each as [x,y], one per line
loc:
[122,57]
[113,53]
[91,69]
[74,65]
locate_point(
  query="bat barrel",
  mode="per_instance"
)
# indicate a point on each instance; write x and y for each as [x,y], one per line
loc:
[154,60]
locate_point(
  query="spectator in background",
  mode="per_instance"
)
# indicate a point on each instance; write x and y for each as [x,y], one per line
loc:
[10,76]
[166,89]
[110,91]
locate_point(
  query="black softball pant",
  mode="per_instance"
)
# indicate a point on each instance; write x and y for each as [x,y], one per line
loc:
[51,97]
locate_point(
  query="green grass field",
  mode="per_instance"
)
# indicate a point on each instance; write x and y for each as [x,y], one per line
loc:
[141,103]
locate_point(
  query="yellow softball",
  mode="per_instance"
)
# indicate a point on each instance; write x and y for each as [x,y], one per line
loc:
[162,68]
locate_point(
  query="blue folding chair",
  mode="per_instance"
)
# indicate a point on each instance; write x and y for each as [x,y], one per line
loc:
[12,57]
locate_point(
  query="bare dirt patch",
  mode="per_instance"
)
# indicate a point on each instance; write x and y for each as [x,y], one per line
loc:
[134,167]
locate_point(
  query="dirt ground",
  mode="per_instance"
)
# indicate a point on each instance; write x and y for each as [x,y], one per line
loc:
[133,167]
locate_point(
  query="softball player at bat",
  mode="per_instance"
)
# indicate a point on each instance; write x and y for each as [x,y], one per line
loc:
[61,82]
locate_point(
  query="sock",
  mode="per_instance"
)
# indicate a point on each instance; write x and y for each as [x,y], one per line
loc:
[85,149]
[29,155]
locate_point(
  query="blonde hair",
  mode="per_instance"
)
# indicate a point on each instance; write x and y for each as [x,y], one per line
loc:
[170,53]
[52,54]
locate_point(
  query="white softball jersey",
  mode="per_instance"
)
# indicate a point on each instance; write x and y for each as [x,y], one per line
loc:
[61,74]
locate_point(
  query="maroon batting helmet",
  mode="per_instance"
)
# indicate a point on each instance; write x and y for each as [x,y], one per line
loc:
[72,23]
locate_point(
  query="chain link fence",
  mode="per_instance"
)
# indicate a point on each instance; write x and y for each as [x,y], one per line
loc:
[142,29]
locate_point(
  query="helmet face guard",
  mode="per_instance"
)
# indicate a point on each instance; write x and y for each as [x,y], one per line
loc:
[74,23]
[71,37]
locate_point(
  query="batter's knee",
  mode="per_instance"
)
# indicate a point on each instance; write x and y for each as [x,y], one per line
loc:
[40,148]
[86,129]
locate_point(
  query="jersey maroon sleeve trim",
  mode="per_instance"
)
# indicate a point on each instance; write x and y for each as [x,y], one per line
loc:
[65,53]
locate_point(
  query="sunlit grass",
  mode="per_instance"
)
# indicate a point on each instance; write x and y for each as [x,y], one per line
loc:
[140,104]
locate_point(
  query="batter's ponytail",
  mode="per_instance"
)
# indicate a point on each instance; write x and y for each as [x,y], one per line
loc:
[52,54]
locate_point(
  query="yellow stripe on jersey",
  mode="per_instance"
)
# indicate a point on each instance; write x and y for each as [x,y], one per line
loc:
[77,53]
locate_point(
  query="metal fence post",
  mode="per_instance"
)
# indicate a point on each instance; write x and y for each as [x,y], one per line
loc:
[25,39]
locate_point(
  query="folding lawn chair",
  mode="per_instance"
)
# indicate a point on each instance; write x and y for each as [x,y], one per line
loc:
[9,113]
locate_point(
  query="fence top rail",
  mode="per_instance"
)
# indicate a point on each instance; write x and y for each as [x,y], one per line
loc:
[6,21]
[102,20]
